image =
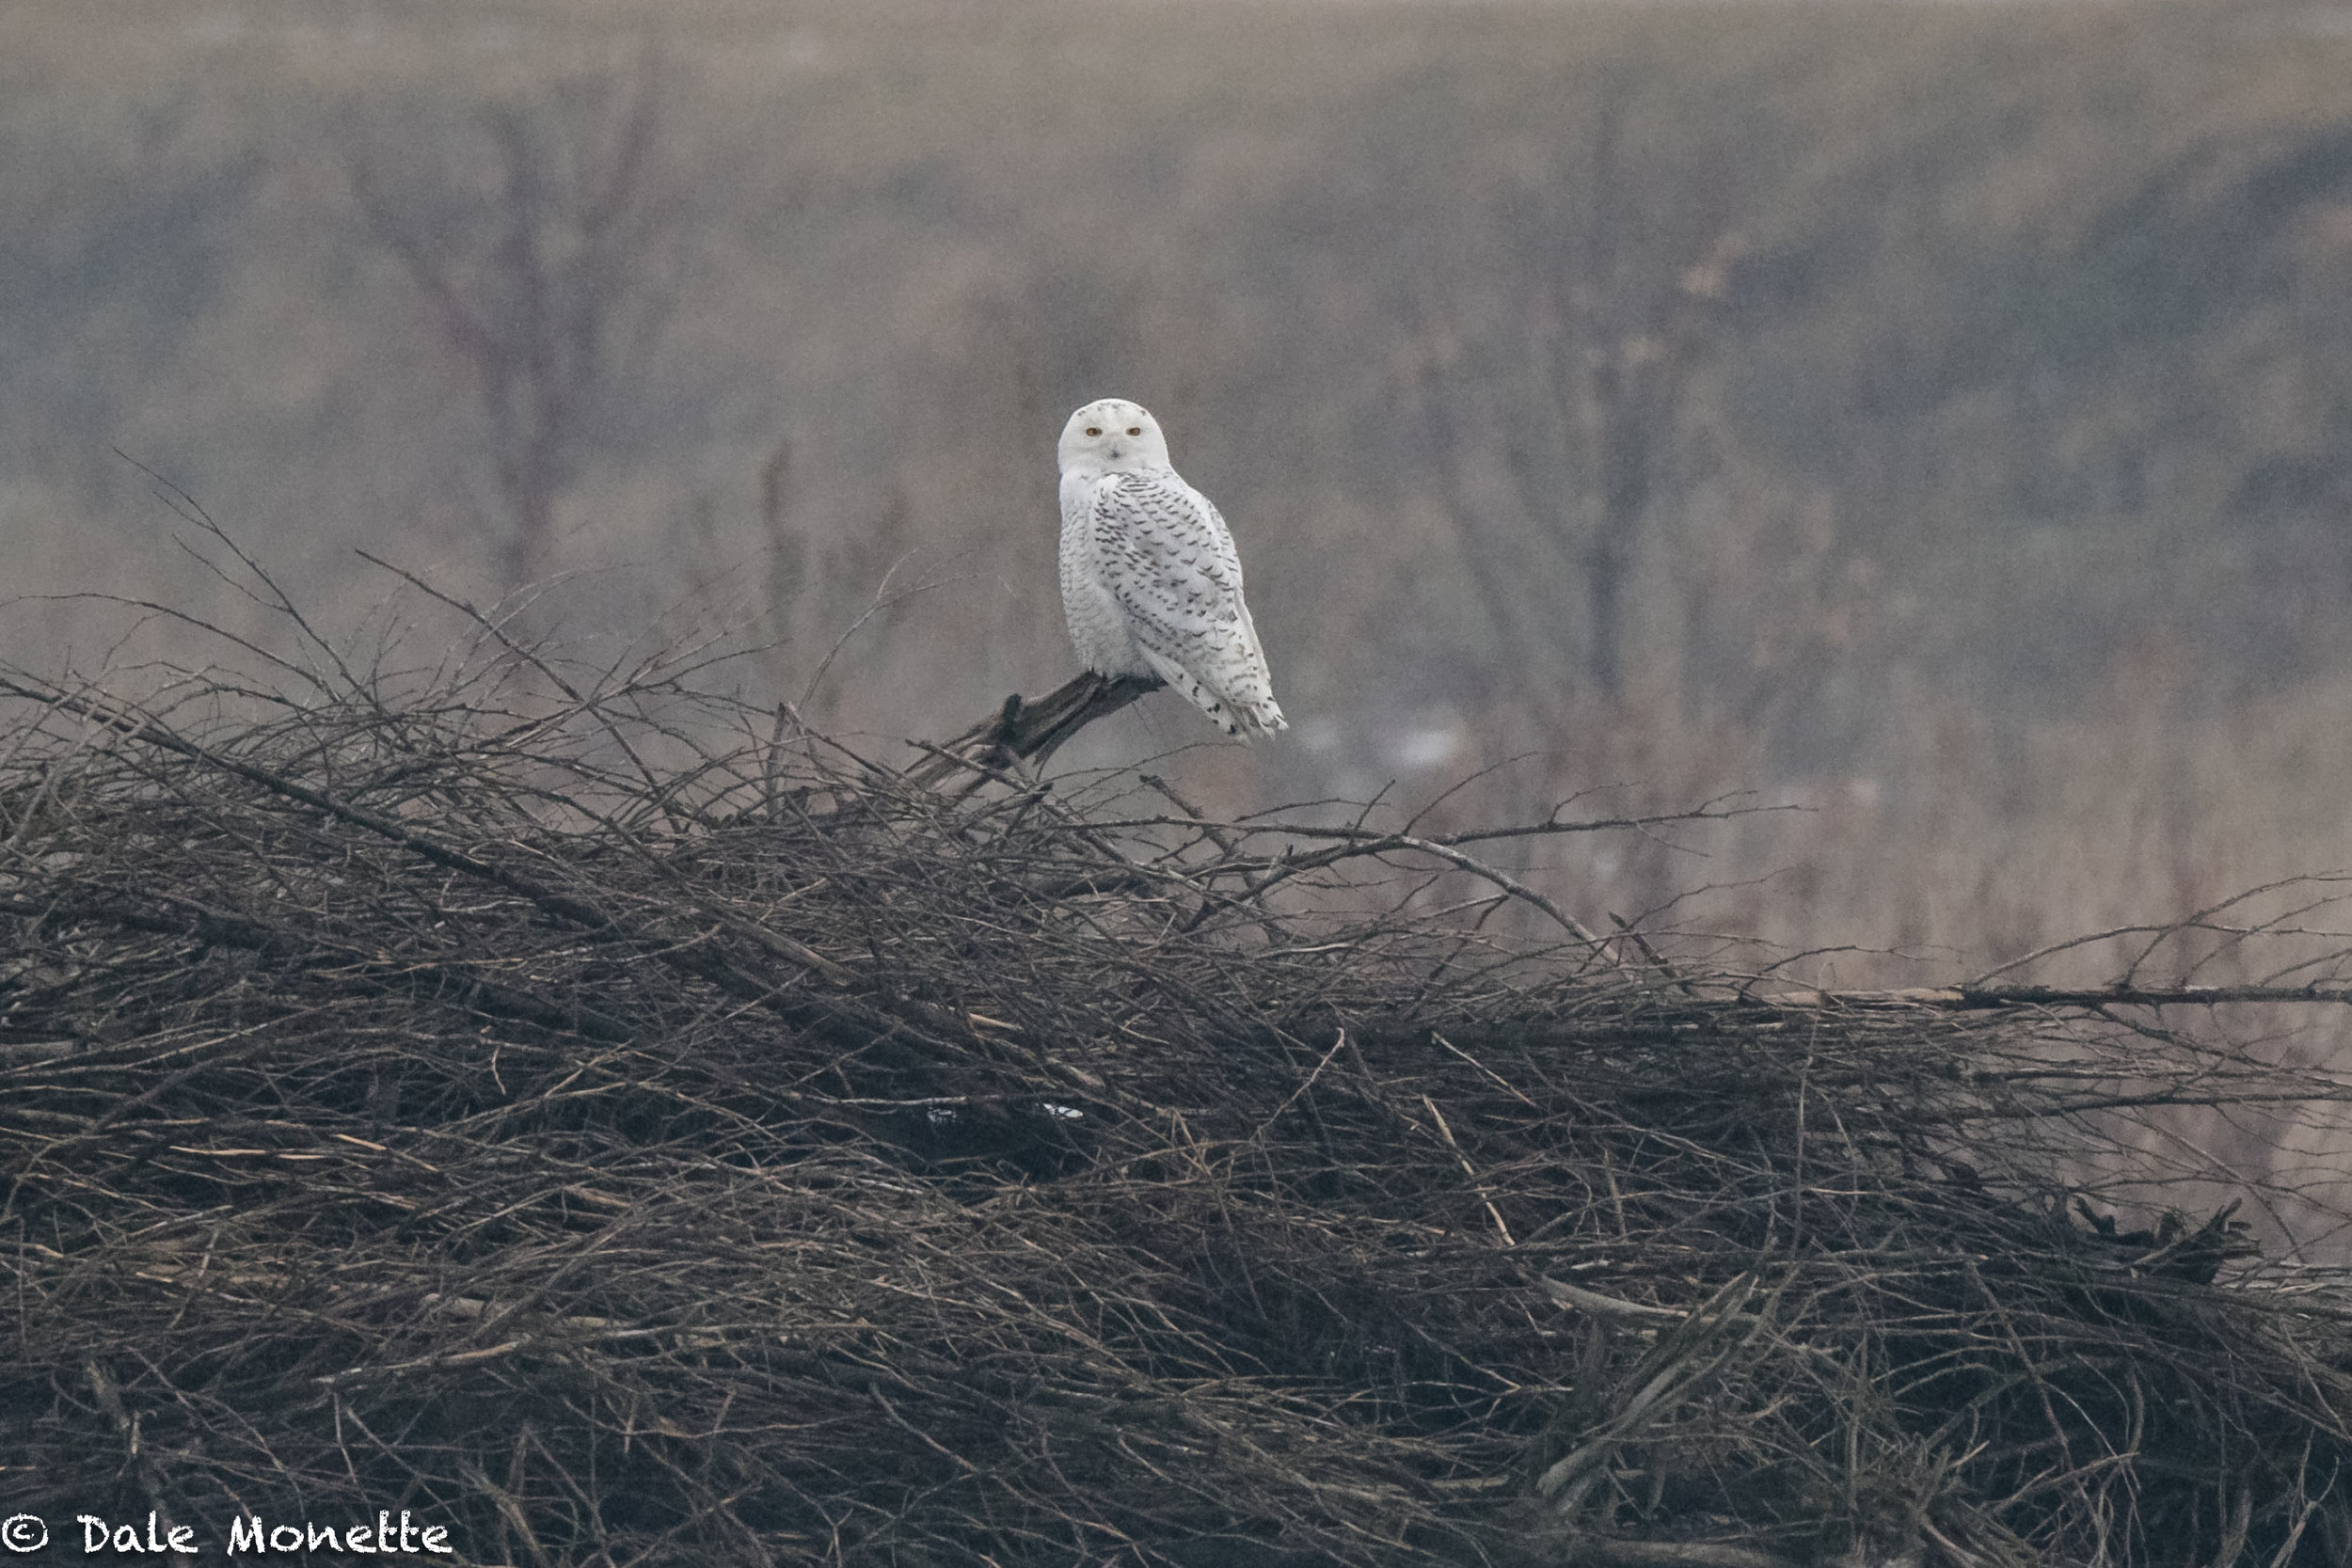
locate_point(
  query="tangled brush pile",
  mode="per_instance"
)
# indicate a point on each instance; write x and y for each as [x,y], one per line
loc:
[618,1143]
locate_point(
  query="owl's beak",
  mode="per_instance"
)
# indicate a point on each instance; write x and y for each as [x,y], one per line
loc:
[1118,451]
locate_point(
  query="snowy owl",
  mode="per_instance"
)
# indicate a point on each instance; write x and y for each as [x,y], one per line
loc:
[1149,578]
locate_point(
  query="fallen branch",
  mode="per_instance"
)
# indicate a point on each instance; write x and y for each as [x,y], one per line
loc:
[1983,998]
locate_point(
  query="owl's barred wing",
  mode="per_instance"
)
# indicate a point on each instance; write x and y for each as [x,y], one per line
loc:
[1167,558]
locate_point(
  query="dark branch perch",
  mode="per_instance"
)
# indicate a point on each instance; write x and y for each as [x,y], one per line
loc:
[1029,732]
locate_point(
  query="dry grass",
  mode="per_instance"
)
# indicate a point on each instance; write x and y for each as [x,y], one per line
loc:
[627,1127]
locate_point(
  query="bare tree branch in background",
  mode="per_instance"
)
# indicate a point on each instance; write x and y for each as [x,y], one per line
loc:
[1624,269]
[550,272]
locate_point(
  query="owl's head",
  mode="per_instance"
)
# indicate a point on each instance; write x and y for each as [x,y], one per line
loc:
[1113,435]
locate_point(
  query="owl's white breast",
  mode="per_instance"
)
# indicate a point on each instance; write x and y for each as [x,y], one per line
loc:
[1098,624]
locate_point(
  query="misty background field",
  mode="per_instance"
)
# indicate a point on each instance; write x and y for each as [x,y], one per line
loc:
[1931,417]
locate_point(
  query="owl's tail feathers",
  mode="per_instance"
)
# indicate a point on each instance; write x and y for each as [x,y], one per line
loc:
[1262,717]
[1248,716]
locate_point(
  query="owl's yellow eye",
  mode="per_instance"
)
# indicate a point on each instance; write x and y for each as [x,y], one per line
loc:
[1094,430]
[1135,430]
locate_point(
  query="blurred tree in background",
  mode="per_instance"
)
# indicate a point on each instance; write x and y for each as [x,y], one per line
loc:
[547,240]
